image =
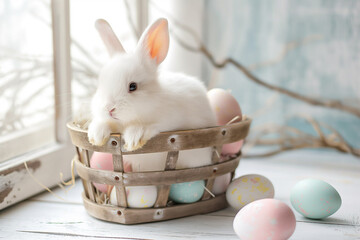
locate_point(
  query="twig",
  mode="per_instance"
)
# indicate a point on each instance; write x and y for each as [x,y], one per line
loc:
[291,139]
[334,104]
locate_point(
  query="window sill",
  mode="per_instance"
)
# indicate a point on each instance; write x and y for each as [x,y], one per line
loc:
[16,184]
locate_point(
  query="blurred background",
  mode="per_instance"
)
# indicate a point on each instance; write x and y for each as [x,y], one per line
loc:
[293,66]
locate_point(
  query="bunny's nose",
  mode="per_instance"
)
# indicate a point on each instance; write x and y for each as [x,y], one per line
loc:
[111,111]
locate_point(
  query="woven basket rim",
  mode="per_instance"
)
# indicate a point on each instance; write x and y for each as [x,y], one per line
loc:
[167,141]
[73,126]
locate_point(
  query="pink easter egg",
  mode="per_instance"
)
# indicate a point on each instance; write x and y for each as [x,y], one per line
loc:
[104,161]
[231,148]
[224,105]
[225,108]
[265,219]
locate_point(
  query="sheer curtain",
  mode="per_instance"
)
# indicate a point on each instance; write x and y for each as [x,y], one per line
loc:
[188,13]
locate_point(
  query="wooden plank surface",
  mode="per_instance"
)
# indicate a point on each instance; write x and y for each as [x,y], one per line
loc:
[45,216]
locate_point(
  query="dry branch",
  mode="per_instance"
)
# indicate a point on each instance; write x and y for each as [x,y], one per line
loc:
[291,138]
[201,48]
[334,104]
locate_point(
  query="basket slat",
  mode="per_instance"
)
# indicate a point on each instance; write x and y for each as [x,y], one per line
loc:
[133,215]
[156,178]
[209,185]
[120,189]
[84,182]
[163,193]
[89,186]
[210,181]
[169,141]
[171,160]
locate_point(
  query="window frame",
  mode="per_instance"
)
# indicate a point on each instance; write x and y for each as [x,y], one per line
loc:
[46,164]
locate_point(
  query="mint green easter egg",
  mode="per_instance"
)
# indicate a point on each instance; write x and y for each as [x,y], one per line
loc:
[315,198]
[187,192]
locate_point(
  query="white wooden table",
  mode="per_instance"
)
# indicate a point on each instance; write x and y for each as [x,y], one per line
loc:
[46,217]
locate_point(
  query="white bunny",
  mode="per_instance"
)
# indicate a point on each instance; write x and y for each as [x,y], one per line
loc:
[135,98]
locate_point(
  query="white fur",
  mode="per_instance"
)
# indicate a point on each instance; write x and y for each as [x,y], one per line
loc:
[164,101]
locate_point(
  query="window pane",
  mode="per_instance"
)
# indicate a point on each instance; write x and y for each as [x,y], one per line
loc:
[26,77]
[88,53]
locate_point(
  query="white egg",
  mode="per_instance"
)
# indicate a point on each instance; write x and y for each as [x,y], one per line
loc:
[137,196]
[247,189]
[221,183]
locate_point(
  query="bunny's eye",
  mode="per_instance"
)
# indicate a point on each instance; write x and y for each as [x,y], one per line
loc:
[132,86]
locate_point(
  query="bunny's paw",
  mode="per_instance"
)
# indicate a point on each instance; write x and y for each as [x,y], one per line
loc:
[98,133]
[136,137]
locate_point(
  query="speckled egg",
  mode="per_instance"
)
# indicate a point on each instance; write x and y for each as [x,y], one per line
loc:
[315,198]
[104,161]
[247,189]
[137,196]
[187,192]
[265,219]
[225,108]
[221,183]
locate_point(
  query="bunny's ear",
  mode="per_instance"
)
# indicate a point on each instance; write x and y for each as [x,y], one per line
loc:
[155,40]
[109,38]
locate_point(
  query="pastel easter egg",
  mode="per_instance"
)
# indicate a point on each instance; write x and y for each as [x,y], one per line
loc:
[221,183]
[225,108]
[247,189]
[104,161]
[187,192]
[137,196]
[314,198]
[231,148]
[224,105]
[265,219]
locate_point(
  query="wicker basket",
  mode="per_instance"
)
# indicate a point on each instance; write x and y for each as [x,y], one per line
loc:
[171,142]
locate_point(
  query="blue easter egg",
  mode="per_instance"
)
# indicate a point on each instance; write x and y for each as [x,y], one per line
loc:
[314,198]
[187,192]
